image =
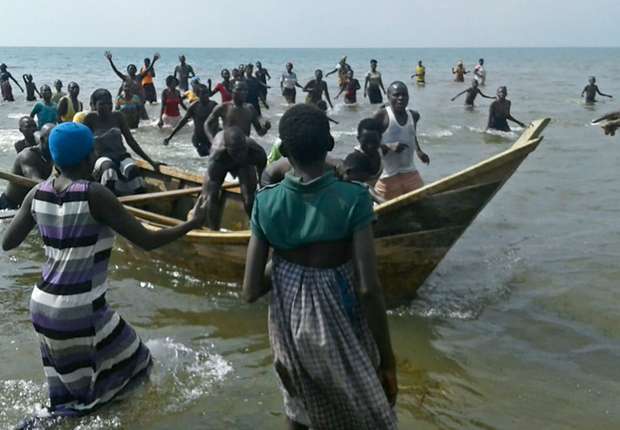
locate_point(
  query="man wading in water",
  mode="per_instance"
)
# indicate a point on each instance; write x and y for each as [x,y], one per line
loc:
[398,145]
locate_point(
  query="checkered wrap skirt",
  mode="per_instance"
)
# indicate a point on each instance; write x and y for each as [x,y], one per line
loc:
[324,353]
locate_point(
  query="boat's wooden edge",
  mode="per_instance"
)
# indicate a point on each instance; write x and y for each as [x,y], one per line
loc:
[181,175]
[527,142]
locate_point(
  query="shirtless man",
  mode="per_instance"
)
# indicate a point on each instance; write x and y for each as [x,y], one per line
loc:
[31,88]
[499,112]
[237,113]
[262,75]
[59,92]
[183,72]
[472,93]
[239,155]
[199,112]
[398,145]
[591,90]
[27,127]
[316,88]
[255,88]
[34,162]
[114,167]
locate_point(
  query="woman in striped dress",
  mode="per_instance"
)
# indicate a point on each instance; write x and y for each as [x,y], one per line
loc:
[90,354]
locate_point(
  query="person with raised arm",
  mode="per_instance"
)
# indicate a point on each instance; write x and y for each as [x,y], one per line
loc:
[5,84]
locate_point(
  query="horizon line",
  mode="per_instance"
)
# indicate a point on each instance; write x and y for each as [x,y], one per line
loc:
[318,47]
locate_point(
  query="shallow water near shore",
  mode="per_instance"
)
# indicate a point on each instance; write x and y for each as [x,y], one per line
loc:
[517,328]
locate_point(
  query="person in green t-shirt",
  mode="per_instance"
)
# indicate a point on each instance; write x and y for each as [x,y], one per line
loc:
[327,319]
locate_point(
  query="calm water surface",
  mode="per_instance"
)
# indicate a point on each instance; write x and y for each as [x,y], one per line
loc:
[516,329]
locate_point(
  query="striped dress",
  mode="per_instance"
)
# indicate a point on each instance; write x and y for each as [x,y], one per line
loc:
[89,353]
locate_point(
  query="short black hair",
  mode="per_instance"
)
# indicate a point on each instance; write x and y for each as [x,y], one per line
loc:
[304,131]
[99,94]
[369,124]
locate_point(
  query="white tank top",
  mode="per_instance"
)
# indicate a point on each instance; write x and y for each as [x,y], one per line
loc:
[397,163]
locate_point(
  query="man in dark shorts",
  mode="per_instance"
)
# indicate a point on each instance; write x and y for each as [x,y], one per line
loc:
[315,89]
[27,127]
[262,75]
[255,88]
[34,162]
[199,112]
[288,84]
[237,113]
[591,90]
[183,72]
[239,155]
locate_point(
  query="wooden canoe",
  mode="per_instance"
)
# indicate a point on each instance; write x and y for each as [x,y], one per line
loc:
[413,232]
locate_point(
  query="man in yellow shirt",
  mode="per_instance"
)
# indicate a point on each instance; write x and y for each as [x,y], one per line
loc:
[420,74]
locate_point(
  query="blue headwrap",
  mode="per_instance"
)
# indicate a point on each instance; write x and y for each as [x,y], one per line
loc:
[70,143]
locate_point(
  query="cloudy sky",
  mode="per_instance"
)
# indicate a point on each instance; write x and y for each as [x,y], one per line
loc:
[318,23]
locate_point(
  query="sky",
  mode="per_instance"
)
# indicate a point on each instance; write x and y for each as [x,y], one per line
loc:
[312,24]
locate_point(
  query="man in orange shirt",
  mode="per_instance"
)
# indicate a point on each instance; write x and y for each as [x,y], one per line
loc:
[150,94]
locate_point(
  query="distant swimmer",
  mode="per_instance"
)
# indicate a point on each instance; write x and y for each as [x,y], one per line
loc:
[611,123]
[235,153]
[420,74]
[398,145]
[34,162]
[148,81]
[472,92]
[114,168]
[69,105]
[480,74]
[262,75]
[198,112]
[27,127]
[316,88]
[169,113]
[5,84]
[289,84]
[373,85]
[31,88]
[350,88]
[46,111]
[459,72]
[224,87]
[59,92]
[499,112]
[237,113]
[591,90]
[343,69]
[183,72]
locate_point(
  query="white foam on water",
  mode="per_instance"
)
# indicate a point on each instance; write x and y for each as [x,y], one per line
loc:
[16,115]
[19,399]
[182,374]
[437,134]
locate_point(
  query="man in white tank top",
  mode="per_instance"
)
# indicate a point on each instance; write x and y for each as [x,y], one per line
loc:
[398,145]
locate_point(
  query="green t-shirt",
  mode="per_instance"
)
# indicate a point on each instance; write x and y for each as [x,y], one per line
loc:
[292,214]
[274,154]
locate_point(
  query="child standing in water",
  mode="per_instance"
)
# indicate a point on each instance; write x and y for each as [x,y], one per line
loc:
[327,320]
[591,90]
[31,88]
[90,354]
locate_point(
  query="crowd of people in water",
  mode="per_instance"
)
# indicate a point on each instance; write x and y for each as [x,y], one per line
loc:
[327,322]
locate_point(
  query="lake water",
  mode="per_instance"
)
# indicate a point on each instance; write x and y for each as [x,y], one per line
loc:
[517,328]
